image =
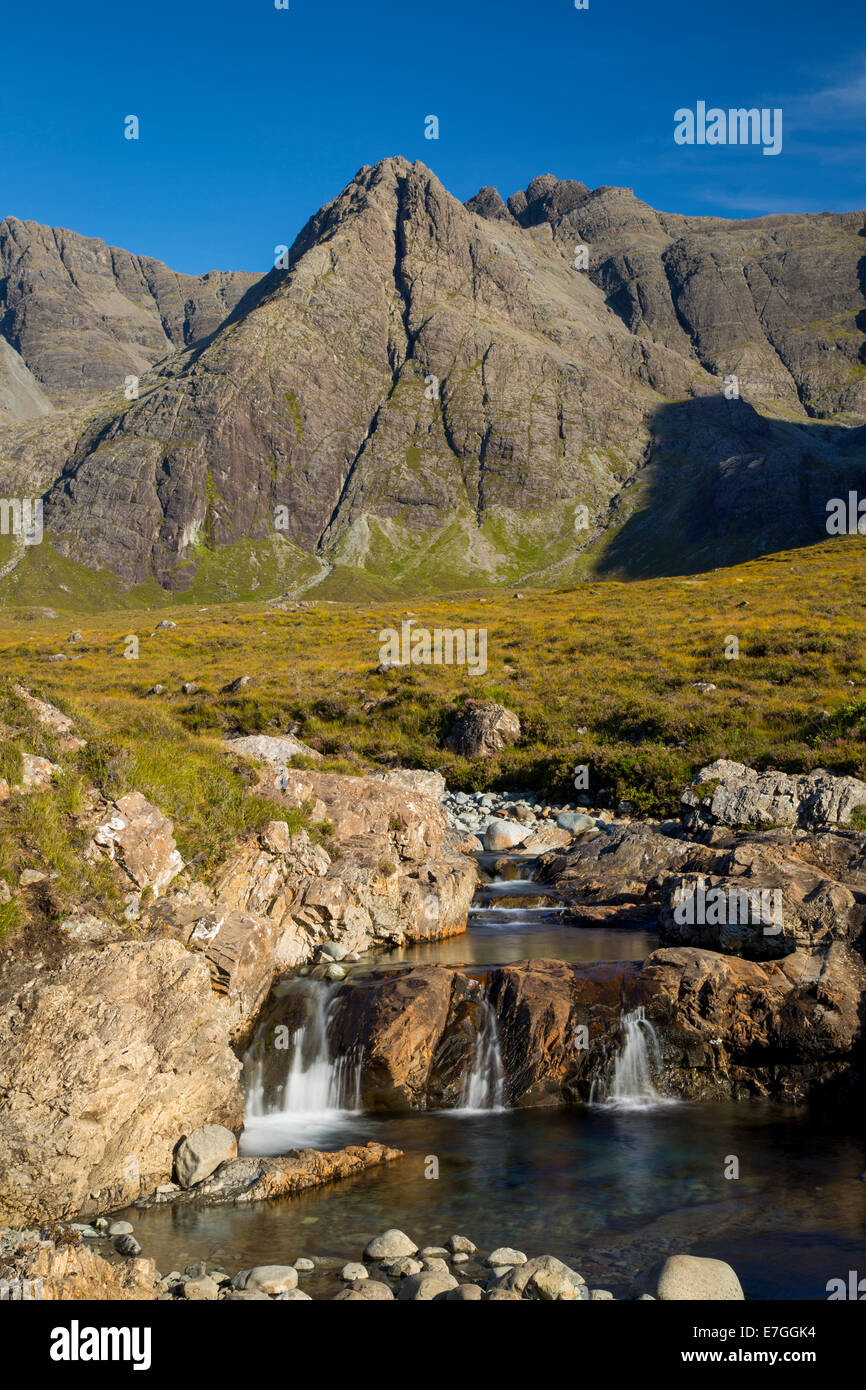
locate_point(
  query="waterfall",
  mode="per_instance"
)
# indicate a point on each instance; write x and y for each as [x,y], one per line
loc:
[632,1084]
[484,1086]
[316,1087]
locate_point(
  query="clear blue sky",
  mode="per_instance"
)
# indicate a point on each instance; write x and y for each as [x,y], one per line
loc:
[252,117]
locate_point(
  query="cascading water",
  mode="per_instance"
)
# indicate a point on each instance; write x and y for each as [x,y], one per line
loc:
[632,1084]
[318,1090]
[484,1087]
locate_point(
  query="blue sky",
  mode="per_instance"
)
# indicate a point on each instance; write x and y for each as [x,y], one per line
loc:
[252,117]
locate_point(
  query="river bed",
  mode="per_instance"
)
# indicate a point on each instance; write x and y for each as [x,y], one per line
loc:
[608,1188]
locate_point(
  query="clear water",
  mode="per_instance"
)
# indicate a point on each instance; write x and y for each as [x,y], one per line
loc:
[608,1190]
[500,936]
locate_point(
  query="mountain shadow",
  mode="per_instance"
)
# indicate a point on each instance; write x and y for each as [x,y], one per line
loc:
[724,484]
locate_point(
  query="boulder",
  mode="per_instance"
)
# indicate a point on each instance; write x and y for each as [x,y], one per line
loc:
[460,1245]
[575,822]
[269,1279]
[390,1245]
[543,1278]
[36,773]
[370,1291]
[423,1288]
[505,834]
[483,730]
[504,1255]
[277,750]
[682,1278]
[199,1154]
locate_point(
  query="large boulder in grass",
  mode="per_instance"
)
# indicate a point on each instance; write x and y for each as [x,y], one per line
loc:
[483,730]
[729,793]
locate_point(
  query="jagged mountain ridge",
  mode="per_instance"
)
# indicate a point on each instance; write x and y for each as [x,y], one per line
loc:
[433,393]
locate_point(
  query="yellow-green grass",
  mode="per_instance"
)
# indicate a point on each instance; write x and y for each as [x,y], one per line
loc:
[616,660]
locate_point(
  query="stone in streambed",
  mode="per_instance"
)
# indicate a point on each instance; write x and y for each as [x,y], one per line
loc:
[370,1291]
[127,1245]
[544,1278]
[575,822]
[390,1245]
[267,1279]
[354,1271]
[423,1288]
[504,1256]
[201,1153]
[460,1245]
[201,1290]
[400,1268]
[504,834]
[465,1293]
[684,1277]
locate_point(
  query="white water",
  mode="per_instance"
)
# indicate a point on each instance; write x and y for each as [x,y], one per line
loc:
[632,1086]
[319,1093]
[484,1086]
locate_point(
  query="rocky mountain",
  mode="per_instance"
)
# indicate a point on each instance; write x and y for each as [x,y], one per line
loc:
[434,394]
[82,315]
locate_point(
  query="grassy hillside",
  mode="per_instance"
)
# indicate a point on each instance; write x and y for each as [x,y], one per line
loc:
[601,674]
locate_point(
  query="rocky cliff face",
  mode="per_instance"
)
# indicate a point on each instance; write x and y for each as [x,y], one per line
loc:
[434,393]
[83,315]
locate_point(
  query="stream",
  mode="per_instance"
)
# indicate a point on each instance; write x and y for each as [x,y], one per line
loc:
[608,1187]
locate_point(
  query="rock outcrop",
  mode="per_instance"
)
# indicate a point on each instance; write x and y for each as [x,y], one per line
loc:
[728,793]
[239,1181]
[727,1027]
[107,1059]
